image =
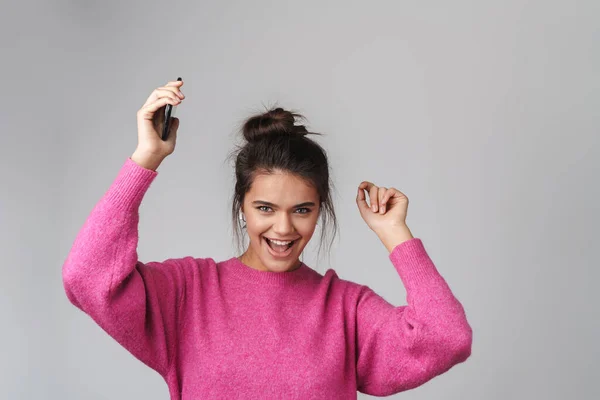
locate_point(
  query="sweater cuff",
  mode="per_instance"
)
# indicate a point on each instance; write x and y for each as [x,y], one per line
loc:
[413,263]
[130,185]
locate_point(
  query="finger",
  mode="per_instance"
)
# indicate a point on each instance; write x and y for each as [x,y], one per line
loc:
[175,86]
[380,193]
[162,92]
[174,83]
[148,110]
[366,185]
[165,91]
[361,200]
[173,89]
[373,196]
[386,197]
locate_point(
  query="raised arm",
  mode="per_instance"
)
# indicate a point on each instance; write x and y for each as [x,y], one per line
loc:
[136,303]
[400,348]
[133,302]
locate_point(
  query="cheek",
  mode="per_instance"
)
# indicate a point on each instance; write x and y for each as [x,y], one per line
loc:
[256,226]
[307,228]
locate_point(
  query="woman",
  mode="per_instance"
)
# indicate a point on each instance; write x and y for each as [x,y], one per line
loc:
[264,325]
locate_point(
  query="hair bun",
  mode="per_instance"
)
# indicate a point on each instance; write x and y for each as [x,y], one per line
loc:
[276,121]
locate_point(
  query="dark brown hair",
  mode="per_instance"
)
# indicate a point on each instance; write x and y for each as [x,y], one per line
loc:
[274,142]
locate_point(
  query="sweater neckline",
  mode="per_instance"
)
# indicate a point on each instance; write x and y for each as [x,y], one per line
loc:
[248,274]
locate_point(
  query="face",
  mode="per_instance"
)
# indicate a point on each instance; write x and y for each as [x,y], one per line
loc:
[279,208]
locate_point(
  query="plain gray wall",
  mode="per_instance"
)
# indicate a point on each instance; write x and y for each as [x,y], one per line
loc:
[484,114]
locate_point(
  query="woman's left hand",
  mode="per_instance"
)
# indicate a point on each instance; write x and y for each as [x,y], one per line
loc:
[387,209]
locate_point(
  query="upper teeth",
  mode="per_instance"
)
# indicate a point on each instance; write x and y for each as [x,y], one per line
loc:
[280,242]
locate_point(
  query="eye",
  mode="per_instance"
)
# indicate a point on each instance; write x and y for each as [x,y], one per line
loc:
[262,208]
[306,210]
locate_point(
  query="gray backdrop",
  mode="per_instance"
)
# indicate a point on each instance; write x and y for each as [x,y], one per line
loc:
[485,114]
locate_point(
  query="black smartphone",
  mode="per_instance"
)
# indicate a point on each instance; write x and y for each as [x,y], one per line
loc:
[169,113]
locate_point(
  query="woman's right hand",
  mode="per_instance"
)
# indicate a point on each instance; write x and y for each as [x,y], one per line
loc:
[150,119]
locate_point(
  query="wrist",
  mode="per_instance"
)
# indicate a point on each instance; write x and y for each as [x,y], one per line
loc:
[392,237]
[146,160]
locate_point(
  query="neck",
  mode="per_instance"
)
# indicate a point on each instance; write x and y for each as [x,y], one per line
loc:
[247,259]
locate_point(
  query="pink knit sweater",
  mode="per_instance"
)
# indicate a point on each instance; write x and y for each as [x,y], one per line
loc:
[224,330]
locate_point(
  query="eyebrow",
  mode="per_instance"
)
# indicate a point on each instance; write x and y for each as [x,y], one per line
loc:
[266,203]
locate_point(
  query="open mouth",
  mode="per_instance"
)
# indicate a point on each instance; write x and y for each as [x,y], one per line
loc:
[278,249]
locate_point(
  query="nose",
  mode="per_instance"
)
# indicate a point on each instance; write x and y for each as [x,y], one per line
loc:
[283,225]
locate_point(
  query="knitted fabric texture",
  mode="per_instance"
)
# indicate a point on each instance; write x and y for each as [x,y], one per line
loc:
[225,330]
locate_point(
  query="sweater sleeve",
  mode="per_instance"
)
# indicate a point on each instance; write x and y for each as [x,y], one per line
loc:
[135,303]
[400,348]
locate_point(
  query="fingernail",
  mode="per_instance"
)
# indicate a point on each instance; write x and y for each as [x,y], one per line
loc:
[374,208]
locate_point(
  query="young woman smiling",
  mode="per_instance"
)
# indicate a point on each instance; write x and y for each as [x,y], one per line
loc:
[264,324]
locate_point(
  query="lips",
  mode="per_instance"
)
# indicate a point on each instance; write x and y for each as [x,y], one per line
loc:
[277,254]
[269,241]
